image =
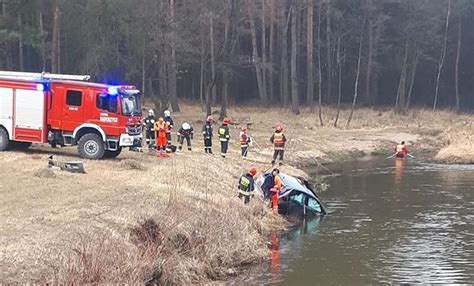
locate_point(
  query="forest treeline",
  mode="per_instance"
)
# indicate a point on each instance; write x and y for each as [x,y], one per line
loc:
[290,53]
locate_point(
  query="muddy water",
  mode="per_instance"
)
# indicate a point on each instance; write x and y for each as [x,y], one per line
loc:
[393,221]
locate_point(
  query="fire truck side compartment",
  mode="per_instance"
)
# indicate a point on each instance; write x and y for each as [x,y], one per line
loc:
[6,110]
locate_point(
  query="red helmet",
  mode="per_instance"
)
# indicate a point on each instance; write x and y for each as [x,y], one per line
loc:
[243,129]
[253,171]
[209,118]
[279,128]
[226,120]
[160,119]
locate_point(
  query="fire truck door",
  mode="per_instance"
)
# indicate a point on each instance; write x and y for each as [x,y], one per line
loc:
[29,116]
[73,109]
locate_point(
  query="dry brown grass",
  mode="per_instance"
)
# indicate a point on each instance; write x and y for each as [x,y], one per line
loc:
[64,227]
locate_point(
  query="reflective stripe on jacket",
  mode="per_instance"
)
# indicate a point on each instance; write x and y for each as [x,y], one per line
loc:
[224,133]
[246,185]
[278,139]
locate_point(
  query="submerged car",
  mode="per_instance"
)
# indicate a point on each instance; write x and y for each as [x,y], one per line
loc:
[297,196]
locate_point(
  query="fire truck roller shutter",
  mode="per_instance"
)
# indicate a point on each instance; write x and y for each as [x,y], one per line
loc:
[29,115]
[6,117]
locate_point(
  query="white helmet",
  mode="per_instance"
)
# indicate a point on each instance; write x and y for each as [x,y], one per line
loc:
[151,112]
[167,113]
[186,126]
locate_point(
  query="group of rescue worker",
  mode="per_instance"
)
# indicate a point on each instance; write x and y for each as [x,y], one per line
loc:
[246,187]
[158,136]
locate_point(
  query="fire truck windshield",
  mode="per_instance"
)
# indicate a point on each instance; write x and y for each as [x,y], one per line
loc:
[130,104]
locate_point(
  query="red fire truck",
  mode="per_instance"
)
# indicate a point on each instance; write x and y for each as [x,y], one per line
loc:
[68,110]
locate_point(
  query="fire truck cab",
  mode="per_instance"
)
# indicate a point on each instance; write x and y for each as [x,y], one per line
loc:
[67,110]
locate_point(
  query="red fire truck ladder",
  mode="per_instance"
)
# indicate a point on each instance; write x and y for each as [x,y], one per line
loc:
[42,76]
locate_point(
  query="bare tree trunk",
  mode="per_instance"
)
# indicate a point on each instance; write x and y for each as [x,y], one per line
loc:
[309,50]
[271,49]
[201,79]
[144,68]
[256,60]
[264,53]
[339,92]
[370,30]
[284,60]
[55,41]
[209,87]
[458,55]
[400,107]
[328,54]
[443,55]
[356,84]
[320,77]
[43,42]
[413,74]
[20,42]
[294,84]
[173,93]
[227,52]
[213,58]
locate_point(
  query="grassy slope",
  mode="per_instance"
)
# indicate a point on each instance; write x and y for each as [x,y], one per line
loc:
[72,227]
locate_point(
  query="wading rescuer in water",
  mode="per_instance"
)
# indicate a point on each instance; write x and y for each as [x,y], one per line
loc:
[224,136]
[247,185]
[149,124]
[244,142]
[169,123]
[278,139]
[207,134]
[160,130]
[401,150]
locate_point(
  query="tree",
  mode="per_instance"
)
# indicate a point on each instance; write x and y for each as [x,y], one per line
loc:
[458,56]
[356,84]
[309,51]
[295,107]
[443,55]
[255,58]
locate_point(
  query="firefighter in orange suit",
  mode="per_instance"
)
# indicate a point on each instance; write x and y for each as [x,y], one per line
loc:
[401,150]
[278,139]
[275,191]
[161,128]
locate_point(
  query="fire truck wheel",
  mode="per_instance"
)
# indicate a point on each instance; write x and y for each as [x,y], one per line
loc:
[90,146]
[4,141]
[112,154]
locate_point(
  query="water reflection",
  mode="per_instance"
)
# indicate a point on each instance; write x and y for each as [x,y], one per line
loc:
[399,168]
[393,222]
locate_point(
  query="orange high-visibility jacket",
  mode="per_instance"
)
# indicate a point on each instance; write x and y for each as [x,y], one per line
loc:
[277,183]
[161,128]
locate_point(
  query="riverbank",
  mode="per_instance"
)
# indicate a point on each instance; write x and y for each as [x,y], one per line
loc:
[177,220]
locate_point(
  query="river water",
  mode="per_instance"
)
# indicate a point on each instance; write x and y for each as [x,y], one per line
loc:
[393,221]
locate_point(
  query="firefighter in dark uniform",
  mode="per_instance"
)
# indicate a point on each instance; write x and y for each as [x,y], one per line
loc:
[207,134]
[278,139]
[170,123]
[185,132]
[247,185]
[149,124]
[224,136]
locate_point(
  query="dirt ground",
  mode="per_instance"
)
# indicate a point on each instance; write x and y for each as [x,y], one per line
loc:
[43,211]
